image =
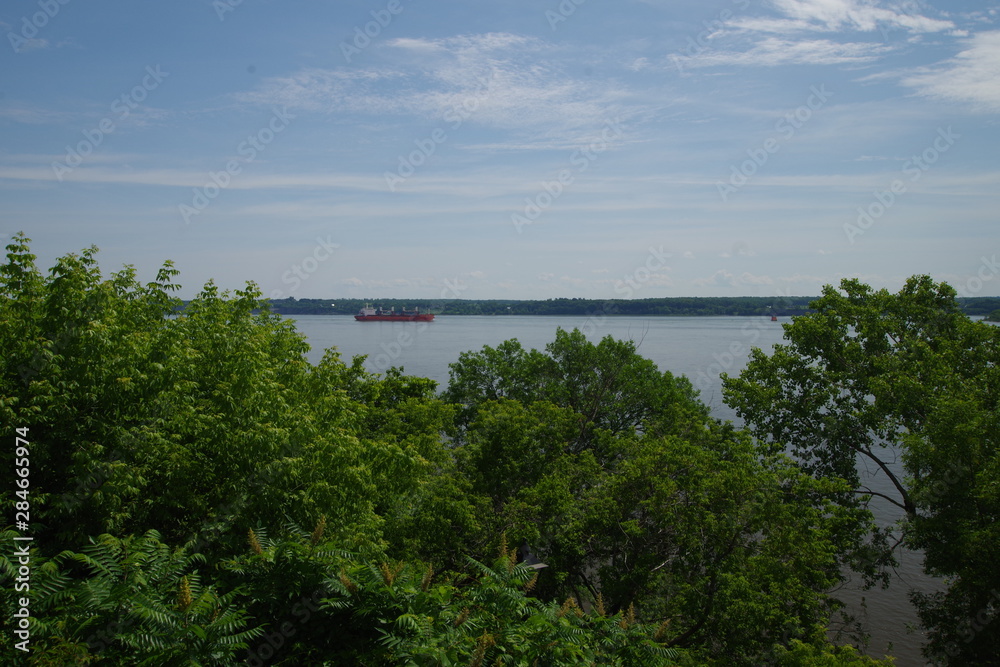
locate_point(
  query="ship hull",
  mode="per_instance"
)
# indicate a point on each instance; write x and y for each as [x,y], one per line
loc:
[423,317]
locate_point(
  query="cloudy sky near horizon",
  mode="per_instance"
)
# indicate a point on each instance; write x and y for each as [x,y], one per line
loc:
[437,148]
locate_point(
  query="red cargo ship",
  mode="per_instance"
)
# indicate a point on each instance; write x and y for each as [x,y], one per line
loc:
[369,314]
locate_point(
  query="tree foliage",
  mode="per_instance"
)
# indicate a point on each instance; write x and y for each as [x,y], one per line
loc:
[130,601]
[614,475]
[483,618]
[214,411]
[871,375]
[201,494]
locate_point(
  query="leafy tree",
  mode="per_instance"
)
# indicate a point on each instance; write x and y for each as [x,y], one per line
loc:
[614,475]
[801,654]
[870,375]
[212,411]
[176,454]
[608,385]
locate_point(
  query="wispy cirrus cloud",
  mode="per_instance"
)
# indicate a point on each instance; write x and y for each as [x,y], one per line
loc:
[512,82]
[971,77]
[775,51]
[33,115]
[184,177]
[858,15]
[788,35]
[139,116]
[723,277]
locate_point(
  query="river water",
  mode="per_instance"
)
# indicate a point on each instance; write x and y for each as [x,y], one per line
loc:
[699,347]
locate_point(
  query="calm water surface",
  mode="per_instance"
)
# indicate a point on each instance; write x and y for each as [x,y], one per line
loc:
[699,347]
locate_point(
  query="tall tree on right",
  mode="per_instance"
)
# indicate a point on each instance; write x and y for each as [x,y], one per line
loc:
[870,375]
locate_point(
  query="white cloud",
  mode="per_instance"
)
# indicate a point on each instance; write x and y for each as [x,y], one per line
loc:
[725,277]
[496,79]
[741,249]
[35,116]
[861,15]
[32,45]
[192,178]
[750,279]
[971,77]
[773,51]
[814,283]
[639,64]
[722,274]
[790,38]
[772,25]
[323,91]
[659,280]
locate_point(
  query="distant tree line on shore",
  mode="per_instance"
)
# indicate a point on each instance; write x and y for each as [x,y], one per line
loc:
[686,306]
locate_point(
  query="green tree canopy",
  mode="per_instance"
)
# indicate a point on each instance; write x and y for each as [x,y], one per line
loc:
[201,494]
[608,385]
[612,473]
[872,375]
[213,411]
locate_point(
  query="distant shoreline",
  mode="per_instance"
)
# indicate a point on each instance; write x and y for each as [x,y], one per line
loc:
[446,315]
[745,306]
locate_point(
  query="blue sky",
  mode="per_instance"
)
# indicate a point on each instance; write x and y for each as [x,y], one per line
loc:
[422,148]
